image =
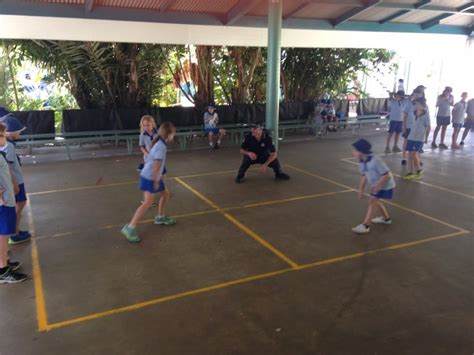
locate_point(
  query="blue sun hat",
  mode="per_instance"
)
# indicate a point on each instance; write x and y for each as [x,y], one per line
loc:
[363,146]
[13,124]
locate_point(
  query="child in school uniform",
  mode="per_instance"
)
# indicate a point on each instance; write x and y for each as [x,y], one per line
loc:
[396,124]
[459,113]
[8,269]
[375,172]
[152,181]
[416,139]
[211,120]
[13,132]
[148,133]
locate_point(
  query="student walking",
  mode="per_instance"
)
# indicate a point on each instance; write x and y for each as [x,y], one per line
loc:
[443,118]
[469,122]
[374,172]
[153,181]
[396,124]
[148,133]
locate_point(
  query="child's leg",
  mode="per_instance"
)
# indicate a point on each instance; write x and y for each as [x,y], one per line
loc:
[411,163]
[211,137]
[164,198]
[221,135]
[443,133]
[3,251]
[464,134]
[455,137]
[397,137]
[416,161]
[371,210]
[404,150]
[148,199]
[382,209]
[389,138]
[19,211]
[435,134]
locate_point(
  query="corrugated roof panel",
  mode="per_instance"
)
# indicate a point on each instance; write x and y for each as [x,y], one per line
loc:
[417,17]
[450,3]
[375,14]
[323,11]
[203,6]
[262,8]
[459,20]
[131,4]
[67,2]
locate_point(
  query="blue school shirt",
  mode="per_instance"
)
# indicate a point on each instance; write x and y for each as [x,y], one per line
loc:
[210,121]
[444,108]
[157,152]
[374,168]
[396,108]
[6,182]
[146,139]
[409,109]
[13,162]
[418,130]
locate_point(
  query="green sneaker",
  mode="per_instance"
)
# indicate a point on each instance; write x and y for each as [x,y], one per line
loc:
[131,234]
[167,221]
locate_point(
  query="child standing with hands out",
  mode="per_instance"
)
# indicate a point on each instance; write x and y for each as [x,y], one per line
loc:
[148,133]
[13,132]
[375,172]
[8,269]
[152,181]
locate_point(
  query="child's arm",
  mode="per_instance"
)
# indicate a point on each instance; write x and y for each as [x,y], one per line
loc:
[380,183]
[2,190]
[156,171]
[404,120]
[362,184]
[144,150]
[16,188]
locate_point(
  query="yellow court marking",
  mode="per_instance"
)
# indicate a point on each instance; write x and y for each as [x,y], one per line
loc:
[90,187]
[385,201]
[350,161]
[41,313]
[241,226]
[244,280]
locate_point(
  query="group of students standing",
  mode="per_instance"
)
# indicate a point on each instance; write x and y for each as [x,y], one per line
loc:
[410,118]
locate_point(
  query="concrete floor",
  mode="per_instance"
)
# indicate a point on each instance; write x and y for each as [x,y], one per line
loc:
[261,268]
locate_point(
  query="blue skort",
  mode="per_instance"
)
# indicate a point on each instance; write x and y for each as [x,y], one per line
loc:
[149,186]
[457,125]
[443,120]
[21,196]
[395,127]
[414,146]
[7,220]
[384,194]
[212,130]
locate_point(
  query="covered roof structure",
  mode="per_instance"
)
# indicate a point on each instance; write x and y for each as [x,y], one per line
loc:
[306,23]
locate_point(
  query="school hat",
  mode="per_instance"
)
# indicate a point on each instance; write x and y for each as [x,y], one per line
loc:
[13,125]
[211,105]
[363,146]
[421,87]
[448,88]
[4,112]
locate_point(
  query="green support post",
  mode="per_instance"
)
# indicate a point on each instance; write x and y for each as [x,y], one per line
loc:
[273,67]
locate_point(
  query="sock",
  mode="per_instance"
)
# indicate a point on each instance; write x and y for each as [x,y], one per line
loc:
[366,225]
[218,142]
[159,217]
[211,144]
[388,219]
[3,270]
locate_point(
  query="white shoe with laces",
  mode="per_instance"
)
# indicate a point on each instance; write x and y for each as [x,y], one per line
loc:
[361,229]
[381,220]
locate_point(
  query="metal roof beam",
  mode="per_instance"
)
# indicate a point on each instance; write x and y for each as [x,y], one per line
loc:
[89,5]
[165,5]
[465,9]
[418,5]
[355,11]
[434,21]
[242,8]
[469,8]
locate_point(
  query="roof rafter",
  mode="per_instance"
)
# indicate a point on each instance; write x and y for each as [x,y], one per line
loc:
[165,5]
[355,11]
[417,6]
[242,8]
[89,5]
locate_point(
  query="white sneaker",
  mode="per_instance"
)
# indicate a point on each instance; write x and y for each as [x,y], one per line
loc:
[361,229]
[381,220]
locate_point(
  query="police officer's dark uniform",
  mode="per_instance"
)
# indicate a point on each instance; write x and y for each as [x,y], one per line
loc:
[262,148]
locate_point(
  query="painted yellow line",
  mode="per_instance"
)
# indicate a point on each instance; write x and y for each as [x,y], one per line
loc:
[90,187]
[380,250]
[386,201]
[350,161]
[53,236]
[321,177]
[241,226]
[41,313]
[244,280]
[297,198]
[166,299]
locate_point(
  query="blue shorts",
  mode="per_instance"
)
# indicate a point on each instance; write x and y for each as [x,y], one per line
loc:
[212,130]
[443,120]
[7,220]
[149,186]
[414,146]
[457,125]
[384,194]
[395,127]
[469,123]
[21,196]
[407,133]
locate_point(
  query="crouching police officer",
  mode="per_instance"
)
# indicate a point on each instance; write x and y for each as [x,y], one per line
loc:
[258,148]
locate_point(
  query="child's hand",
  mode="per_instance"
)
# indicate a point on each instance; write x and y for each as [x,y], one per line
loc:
[156,184]
[252,156]
[263,169]
[2,201]
[16,189]
[360,194]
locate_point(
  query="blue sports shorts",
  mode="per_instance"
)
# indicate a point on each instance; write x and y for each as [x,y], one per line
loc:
[7,220]
[384,194]
[395,127]
[414,146]
[149,186]
[21,196]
